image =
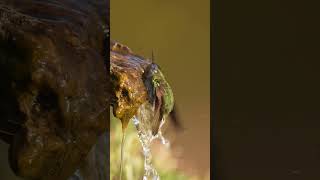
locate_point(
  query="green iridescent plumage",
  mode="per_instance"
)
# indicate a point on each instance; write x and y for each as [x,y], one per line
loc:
[160,94]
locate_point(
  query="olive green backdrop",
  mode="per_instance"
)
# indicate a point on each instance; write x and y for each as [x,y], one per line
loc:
[178,31]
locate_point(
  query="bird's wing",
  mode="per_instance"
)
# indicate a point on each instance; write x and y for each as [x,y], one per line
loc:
[158,111]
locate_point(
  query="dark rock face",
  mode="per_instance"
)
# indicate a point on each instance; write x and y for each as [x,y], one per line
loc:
[54,88]
[96,165]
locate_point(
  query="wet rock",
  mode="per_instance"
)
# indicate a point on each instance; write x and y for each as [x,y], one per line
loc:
[128,89]
[54,88]
[96,164]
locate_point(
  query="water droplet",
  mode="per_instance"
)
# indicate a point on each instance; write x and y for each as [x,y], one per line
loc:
[143,123]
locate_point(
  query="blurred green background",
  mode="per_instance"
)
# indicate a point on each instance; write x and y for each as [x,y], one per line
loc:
[178,31]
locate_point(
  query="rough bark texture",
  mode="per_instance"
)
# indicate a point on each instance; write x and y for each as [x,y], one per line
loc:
[54,88]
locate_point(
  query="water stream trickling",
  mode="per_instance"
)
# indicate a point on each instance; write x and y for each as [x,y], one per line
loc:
[121,155]
[143,123]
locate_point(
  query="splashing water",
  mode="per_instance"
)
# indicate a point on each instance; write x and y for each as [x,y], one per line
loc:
[143,123]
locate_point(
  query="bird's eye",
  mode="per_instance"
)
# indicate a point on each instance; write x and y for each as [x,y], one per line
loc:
[156,82]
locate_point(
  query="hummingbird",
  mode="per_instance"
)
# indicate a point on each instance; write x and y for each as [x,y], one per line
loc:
[160,95]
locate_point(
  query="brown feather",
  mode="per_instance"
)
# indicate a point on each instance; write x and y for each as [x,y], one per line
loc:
[158,115]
